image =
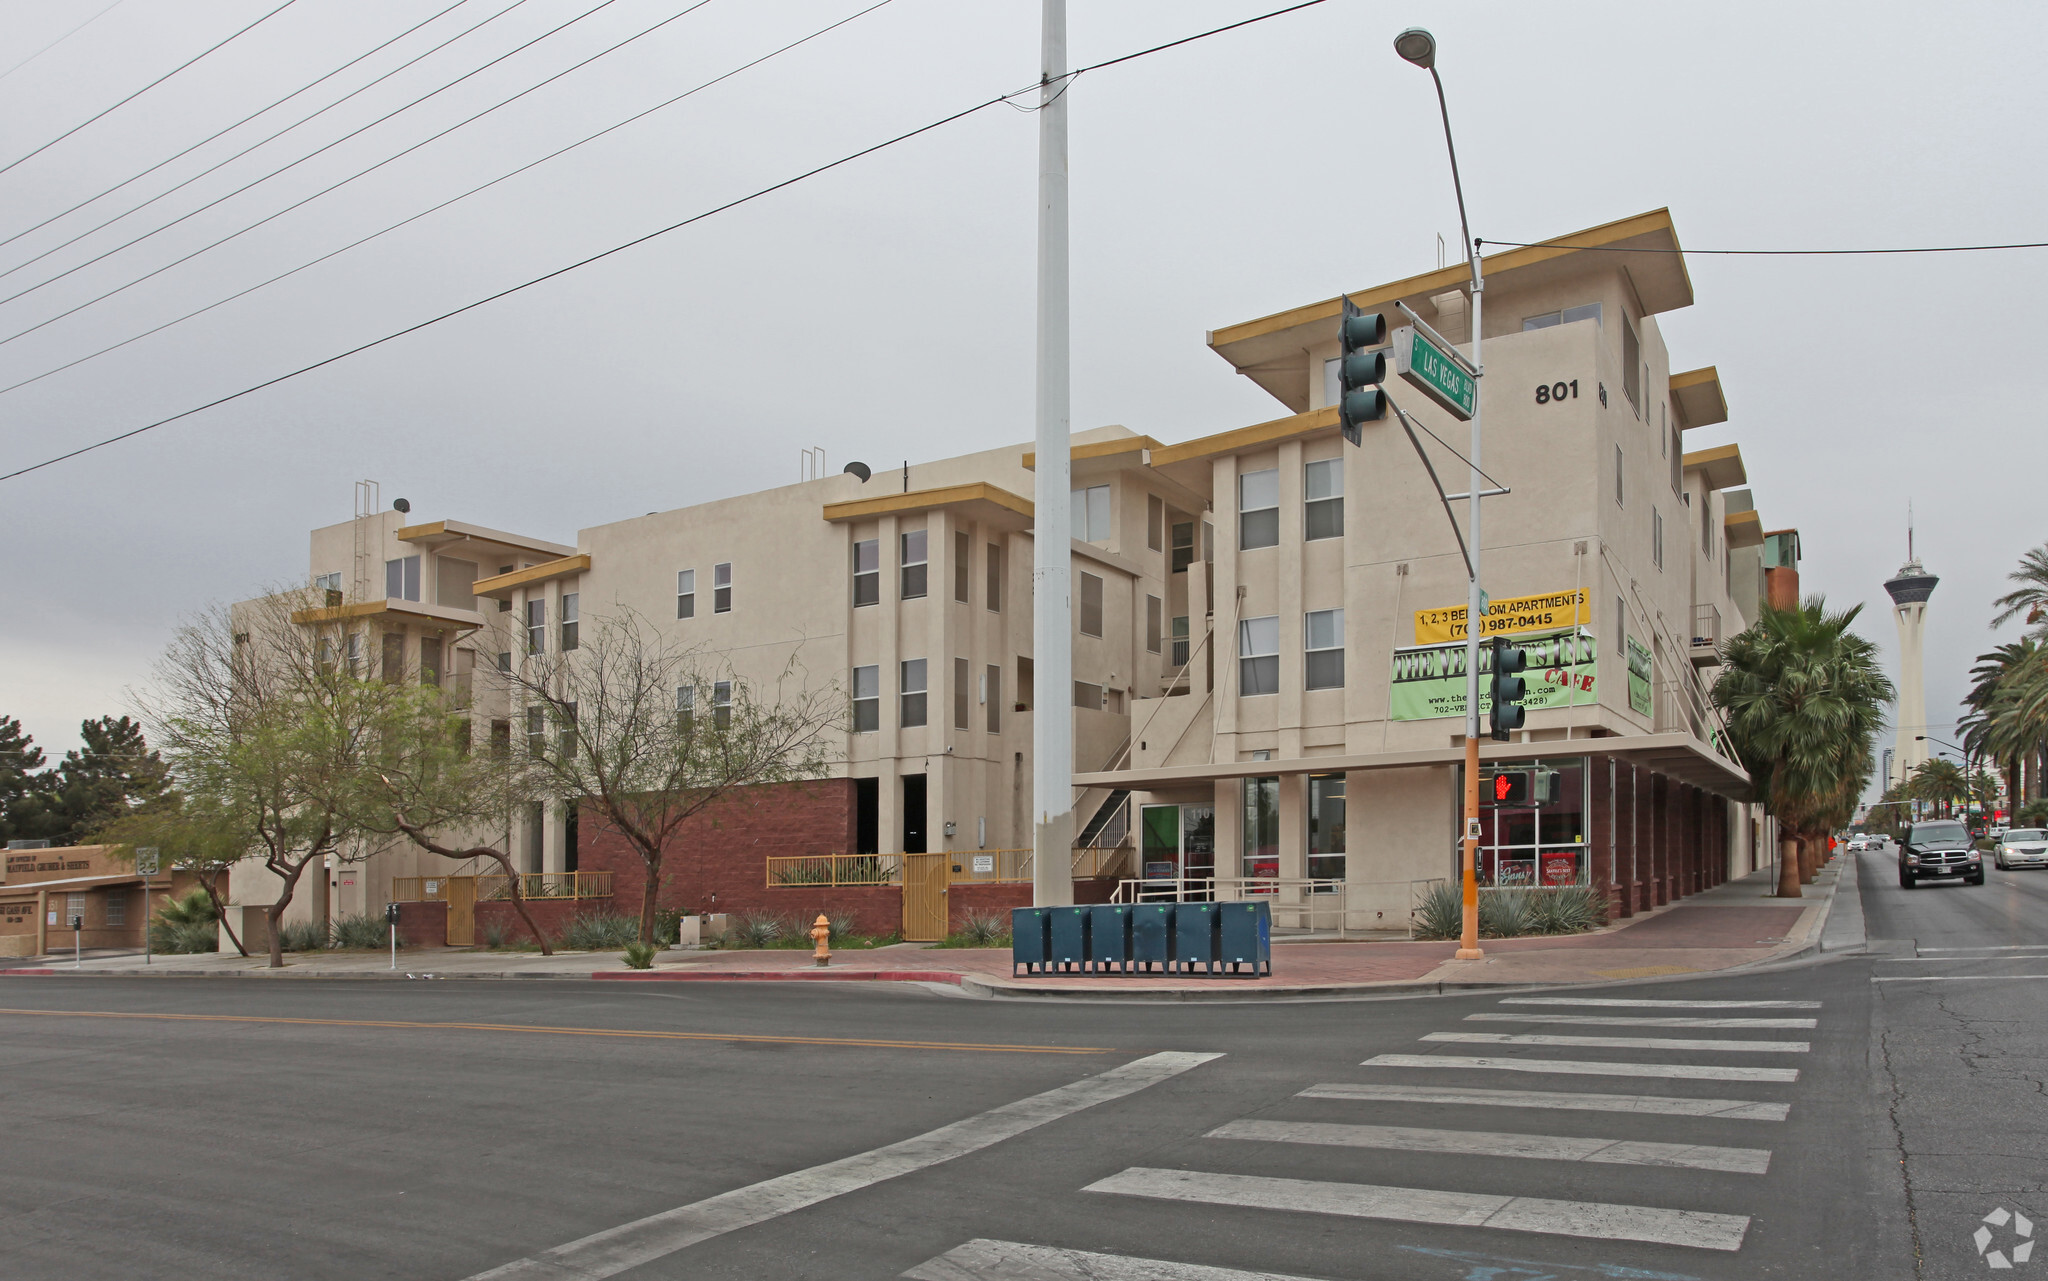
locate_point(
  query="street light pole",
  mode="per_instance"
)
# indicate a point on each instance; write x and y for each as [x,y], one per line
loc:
[1419,47]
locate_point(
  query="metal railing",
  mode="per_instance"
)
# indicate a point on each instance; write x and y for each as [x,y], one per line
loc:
[1091,861]
[835,870]
[990,867]
[1299,904]
[545,885]
[419,889]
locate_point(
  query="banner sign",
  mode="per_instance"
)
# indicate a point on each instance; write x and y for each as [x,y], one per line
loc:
[1638,677]
[1514,614]
[1429,680]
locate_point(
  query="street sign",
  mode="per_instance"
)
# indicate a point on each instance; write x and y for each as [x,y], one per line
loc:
[1435,373]
[146,860]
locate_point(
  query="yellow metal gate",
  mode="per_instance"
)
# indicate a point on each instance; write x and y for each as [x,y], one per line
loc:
[461,911]
[924,897]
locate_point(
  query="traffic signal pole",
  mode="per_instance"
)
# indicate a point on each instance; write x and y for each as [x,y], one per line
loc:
[1475,610]
[1052,634]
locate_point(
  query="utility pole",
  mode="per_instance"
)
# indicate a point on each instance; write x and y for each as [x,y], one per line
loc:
[1052,640]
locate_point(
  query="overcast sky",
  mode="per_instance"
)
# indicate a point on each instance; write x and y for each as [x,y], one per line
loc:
[884,310]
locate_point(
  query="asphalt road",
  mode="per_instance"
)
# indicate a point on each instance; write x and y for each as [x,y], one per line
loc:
[1959,983]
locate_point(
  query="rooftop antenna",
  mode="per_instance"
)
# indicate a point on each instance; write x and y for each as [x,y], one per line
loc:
[1909,530]
[1439,251]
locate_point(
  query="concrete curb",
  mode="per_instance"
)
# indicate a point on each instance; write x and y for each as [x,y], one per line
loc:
[784,976]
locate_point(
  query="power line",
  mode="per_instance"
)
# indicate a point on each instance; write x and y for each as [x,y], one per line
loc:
[146,88]
[230,129]
[749,198]
[61,39]
[271,217]
[275,172]
[451,200]
[1766,253]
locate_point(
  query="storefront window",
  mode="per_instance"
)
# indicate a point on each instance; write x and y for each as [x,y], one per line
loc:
[1261,827]
[1326,827]
[1533,816]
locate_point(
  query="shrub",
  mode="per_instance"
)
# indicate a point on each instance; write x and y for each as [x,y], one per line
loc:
[804,874]
[599,931]
[496,933]
[668,925]
[181,938]
[1440,912]
[1569,909]
[639,956]
[302,936]
[1504,914]
[364,931]
[757,931]
[1511,912]
[842,926]
[983,929]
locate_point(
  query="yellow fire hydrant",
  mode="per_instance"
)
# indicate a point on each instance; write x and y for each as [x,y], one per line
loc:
[821,934]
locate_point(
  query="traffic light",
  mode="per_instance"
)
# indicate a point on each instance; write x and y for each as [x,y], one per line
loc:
[1508,688]
[1360,370]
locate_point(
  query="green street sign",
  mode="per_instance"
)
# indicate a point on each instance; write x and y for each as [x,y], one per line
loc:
[1431,370]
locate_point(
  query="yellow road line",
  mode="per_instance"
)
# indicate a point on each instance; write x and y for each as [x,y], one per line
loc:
[645,1034]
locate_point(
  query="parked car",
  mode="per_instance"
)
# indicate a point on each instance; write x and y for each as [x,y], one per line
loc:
[2022,847]
[1939,848]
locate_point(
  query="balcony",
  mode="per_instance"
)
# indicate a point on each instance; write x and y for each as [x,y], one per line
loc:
[1706,636]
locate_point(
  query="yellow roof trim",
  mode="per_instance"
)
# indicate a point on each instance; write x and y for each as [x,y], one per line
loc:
[926,499]
[408,533]
[1444,278]
[1100,449]
[1697,396]
[1745,529]
[541,573]
[447,614]
[1240,439]
[1721,466]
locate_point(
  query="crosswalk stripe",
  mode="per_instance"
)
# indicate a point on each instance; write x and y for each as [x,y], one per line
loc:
[1621,1003]
[1621,1042]
[1649,1104]
[1576,1067]
[1535,1147]
[2004,947]
[1950,978]
[1638,1020]
[1592,1219]
[984,1260]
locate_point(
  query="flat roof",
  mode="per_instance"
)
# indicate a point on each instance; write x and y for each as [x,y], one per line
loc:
[502,584]
[1721,466]
[986,500]
[399,608]
[1745,529]
[442,532]
[1697,399]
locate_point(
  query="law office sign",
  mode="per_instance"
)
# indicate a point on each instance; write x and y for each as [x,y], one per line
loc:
[1435,373]
[1513,614]
[1428,681]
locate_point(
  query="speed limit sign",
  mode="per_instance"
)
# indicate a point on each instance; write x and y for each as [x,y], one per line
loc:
[146,860]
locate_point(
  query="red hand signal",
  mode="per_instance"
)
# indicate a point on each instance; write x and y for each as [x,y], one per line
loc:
[1501,787]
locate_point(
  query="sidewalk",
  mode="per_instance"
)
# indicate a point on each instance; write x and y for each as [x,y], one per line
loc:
[1736,924]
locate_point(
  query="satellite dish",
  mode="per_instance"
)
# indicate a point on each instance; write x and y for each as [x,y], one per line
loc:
[857,469]
[400,505]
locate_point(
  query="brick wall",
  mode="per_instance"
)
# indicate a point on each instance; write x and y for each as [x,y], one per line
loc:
[991,899]
[550,914]
[419,925]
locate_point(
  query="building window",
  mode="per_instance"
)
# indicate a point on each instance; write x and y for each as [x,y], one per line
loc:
[536,626]
[74,905]
[914,564]
[1179,656]
[536,731]
[501,739]
[1258,656]
[1325,636]
[1155,522]
[327,582]
[1707,525]
[994,586]
[1155,616]
[1091,604]
[960,693]
[117,907]
[569,621]
[1258,509]
[1090,513]
[1590,311]
[867,699]
[1620,624]
[992,696]
[867,572]
[1323,498]
[1183,553]
[1657,537]
[567,735]
[911,698]
[686,708]
[402,578]
[1618,470]
[1261,828]
[686,593]
[1088,695]
[721,588]
[1326,827]
[504,660]
[1677,449]
[721,704]
[963,548]
[355,653]
[1539,841]
[1631,367]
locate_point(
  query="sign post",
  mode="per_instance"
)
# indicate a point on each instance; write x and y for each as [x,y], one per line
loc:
[147,861]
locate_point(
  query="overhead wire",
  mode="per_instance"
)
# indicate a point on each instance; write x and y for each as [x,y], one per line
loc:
[146,88]
[134,177]
[285,168]
[656,234]
[271,217]
[61,39]
[588,138]
[1767,253]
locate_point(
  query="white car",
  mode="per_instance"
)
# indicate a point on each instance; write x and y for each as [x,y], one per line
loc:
[2022,847]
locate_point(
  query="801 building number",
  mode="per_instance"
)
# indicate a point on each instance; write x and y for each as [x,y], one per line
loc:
[1557,391]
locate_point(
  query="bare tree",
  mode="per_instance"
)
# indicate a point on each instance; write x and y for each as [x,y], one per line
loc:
[648,733]
[191,834]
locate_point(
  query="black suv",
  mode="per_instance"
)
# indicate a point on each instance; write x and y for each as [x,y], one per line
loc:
[1937,848]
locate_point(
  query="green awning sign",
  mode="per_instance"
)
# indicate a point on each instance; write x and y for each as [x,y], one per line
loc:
[1434,372]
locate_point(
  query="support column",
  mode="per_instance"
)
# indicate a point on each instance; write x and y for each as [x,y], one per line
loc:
[1660,841]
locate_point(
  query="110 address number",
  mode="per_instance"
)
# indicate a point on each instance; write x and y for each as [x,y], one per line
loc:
[1557,391]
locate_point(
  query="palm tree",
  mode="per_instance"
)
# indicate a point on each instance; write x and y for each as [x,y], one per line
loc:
[1939,782]
[2007,719]
[2031,596]
[1805,699]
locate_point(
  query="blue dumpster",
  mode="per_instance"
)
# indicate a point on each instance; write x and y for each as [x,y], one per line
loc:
[1245,938]
[1109,938]
[1030,942]
[1069,949]
[1194,937]
[1152,937]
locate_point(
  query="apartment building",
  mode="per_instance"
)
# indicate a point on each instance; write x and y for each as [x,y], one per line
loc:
[1268,623]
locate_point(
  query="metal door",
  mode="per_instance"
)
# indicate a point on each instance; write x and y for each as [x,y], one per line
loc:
[924,897]
[461,911]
